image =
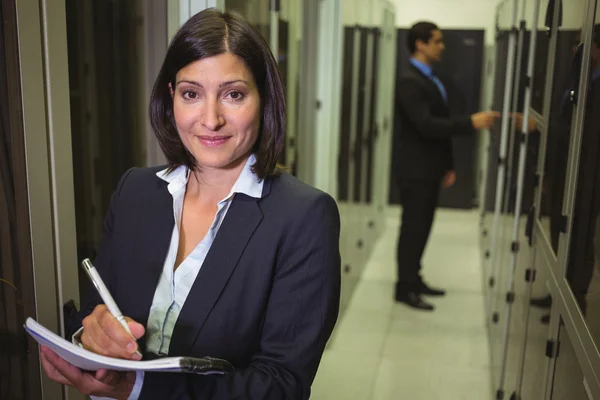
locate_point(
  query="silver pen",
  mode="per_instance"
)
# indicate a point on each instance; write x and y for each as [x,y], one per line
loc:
[105,295]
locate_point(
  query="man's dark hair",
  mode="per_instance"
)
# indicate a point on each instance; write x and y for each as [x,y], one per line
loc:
[207,34]
[420,31]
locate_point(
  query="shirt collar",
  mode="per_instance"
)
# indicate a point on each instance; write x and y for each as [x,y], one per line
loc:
[421,66]
[247,183]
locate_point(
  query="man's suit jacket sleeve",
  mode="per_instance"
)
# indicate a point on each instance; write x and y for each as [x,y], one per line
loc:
[301,313]
[450,153]
[416,108]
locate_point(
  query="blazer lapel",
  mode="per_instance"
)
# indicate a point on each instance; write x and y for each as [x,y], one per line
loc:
[152,245]
[430,83]
[237,228]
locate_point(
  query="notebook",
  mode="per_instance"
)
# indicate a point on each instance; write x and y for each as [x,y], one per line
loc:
[89,361]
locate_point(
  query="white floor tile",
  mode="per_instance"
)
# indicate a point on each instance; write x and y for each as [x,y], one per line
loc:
[383,351]
[424,382]
[435,345]
[373,296]
[345,375]
[361,332]
[457,311]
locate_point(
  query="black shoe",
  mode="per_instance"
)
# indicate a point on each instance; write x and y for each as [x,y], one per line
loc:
[422,288]
[545,319]
[414,300]
[541,302]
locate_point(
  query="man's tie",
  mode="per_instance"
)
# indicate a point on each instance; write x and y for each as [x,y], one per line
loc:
[440,86]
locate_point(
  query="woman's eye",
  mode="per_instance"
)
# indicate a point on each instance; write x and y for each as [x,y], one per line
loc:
[236,96]
[190,95]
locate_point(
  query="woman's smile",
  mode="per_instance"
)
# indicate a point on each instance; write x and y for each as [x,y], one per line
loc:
[213,141]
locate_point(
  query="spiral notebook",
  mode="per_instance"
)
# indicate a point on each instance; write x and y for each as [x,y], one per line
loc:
[89,361]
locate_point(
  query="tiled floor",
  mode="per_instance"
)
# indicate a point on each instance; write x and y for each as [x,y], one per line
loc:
[387,351]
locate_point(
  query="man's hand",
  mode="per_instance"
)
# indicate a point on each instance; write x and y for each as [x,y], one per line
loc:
[102,383]
[518,118]
[449,179]
[484,119]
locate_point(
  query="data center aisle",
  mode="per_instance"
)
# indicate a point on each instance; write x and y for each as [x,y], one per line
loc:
[386,351]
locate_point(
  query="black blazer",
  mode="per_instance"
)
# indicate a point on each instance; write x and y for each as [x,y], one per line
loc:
[424,128]
[266,298]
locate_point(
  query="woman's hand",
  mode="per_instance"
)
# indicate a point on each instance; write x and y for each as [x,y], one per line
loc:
[103,383]
[104,335]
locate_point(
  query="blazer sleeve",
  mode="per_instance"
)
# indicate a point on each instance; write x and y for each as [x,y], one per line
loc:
[300,316]
[450,156]
[416,108]
[102,263]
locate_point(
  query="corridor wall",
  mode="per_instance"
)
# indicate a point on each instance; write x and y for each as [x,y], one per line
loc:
[365,131]
[544,282]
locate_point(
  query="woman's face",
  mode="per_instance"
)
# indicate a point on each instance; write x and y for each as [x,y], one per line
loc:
[217,110]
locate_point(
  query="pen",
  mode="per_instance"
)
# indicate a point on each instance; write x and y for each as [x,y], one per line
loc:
[106,297]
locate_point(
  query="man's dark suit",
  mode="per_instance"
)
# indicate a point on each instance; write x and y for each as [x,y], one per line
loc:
[425,155]
[266,298]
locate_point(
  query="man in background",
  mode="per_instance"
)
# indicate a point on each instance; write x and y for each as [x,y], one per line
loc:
[425,156]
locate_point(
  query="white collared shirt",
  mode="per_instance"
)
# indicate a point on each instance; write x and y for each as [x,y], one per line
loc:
[175,285]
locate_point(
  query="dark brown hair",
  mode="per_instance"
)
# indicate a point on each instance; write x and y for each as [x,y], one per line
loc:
[422,31]
[210,33]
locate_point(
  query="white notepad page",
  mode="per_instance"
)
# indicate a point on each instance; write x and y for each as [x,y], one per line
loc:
[89,361]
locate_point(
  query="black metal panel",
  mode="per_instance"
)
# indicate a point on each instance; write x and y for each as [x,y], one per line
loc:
[373,128]
[461,69]
[493,150]
[539,71]
[345,121]
[510,183]
[360,115]
[19,368]
[283,62]
[402,57]
[559,123]
[568,380]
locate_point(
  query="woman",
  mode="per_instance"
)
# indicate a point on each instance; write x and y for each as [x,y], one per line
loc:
[220,254]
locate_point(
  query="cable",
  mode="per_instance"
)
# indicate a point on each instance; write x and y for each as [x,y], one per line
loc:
[9,284]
